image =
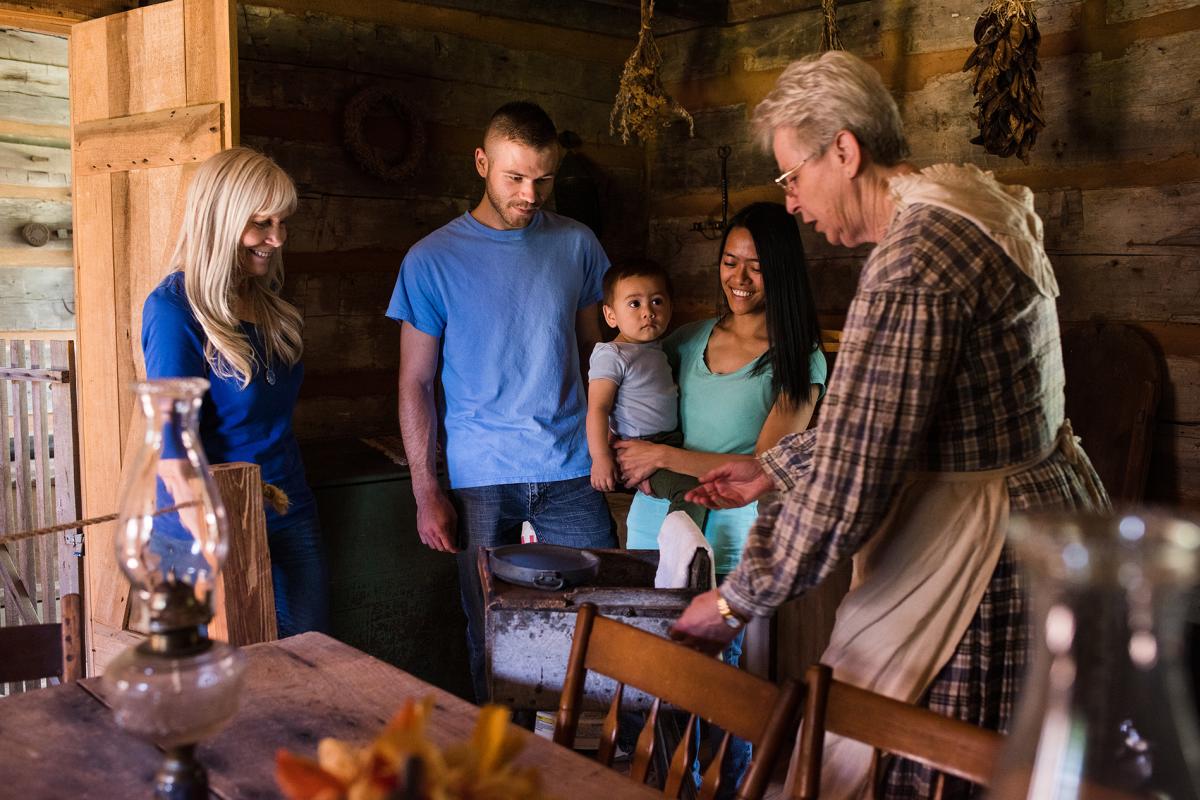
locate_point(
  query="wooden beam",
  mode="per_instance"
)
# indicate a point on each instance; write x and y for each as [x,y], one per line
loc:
[56,17]
[48,335]
[39,375]
[1182,168]
[244,608]
[29,19]
[517,34]
[907,71]
[29,133]
[27,192]
[34,257]
[174,136]
[349,383]
[326,126]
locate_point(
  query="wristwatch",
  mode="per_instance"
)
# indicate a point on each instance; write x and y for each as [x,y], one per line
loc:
[731,619]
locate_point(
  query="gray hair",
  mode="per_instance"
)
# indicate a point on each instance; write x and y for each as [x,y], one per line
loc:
[820,95]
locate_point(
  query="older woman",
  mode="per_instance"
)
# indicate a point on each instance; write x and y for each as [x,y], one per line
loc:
[945,412]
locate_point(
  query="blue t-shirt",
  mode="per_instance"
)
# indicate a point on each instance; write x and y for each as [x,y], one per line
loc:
[252,424]
[504,305]
[719,413]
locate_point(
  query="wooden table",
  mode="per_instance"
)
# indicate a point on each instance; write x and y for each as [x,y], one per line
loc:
[62,742]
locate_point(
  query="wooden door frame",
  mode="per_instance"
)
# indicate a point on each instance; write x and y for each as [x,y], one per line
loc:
[41,21]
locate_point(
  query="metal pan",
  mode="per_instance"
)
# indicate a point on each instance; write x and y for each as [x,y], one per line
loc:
[543,566]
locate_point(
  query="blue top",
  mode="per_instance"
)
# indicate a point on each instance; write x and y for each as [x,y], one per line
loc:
[504,305]
[252,424]
[719,413]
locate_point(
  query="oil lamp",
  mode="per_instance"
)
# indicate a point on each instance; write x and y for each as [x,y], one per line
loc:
[178,686]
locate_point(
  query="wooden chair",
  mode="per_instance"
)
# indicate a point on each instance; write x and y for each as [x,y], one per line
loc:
[740,703]
[49,651]
[948,745]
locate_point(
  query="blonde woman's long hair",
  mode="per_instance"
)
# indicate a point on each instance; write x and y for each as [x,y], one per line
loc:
[228,190]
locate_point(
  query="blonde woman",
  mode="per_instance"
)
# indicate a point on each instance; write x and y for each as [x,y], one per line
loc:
[218,315]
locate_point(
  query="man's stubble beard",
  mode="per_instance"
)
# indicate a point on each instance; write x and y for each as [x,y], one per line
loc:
[502,210]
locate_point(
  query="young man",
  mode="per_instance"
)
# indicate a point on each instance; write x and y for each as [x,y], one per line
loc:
[505,297]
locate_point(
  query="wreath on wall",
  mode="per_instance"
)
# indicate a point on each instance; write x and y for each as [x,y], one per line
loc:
[380,162]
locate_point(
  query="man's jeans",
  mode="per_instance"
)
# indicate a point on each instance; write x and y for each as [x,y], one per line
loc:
[568,512]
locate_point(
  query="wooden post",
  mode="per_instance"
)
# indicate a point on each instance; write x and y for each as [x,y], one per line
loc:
[244,605]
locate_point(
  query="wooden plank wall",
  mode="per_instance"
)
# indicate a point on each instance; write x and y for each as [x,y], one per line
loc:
[1116,171]
[37,284]
[299,67]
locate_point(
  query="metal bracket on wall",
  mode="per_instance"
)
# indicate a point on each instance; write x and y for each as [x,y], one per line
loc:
[710,228]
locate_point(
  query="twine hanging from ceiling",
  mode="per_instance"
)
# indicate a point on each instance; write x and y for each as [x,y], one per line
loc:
[643,106]
[831,39]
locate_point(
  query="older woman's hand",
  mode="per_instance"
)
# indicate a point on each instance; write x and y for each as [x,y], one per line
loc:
[702,627]
[731,485]
[638,460]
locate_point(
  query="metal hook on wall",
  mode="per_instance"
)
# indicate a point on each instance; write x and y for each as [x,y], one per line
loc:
[710,228]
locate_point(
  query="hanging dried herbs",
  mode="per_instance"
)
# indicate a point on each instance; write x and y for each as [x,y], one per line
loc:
[831,39]
[643,106]
[1007,99]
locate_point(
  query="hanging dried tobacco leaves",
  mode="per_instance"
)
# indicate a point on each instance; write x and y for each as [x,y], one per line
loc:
[643,106]
[831,39]
[1007,99]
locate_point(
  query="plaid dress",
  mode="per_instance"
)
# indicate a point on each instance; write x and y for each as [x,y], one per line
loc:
[950,362]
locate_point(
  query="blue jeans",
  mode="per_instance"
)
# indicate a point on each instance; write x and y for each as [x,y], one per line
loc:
[568,512]
[300,575]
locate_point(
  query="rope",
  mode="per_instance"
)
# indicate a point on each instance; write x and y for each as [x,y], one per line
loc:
[19,536]
[272,495]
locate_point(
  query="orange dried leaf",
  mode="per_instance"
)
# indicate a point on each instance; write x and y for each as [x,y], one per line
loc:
[303,779]
[489,736]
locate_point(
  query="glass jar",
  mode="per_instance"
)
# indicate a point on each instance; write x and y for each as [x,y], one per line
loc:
[170,517]
[1105,710]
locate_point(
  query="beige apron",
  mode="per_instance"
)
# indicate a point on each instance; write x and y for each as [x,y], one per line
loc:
[916,587]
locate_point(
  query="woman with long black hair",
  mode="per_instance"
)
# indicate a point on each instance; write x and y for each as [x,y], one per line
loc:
[746,378]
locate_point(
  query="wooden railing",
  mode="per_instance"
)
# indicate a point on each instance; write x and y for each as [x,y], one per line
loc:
[38,482]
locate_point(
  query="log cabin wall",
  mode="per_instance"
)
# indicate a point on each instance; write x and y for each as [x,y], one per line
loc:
[453,67]
[37,281]
[1116,171]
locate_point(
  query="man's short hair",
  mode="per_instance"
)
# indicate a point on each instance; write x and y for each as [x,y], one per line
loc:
[632,268]
[523,122]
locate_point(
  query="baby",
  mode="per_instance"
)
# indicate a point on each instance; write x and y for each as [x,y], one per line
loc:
[631,392]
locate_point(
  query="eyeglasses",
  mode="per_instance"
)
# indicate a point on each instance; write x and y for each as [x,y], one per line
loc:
[788,179]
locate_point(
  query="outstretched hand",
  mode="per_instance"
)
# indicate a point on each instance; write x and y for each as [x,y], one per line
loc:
[731,485]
